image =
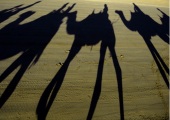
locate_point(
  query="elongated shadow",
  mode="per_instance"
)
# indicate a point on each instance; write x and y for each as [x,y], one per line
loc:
[52,89]
[7,13]
[31,39]
[108,40]
[147,28]
[91,30]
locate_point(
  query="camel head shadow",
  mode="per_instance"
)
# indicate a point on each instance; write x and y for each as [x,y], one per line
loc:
[144,24]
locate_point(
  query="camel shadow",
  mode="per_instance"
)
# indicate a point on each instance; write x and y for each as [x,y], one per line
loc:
[31,39]
[7,13]
[90,31]
[165,22]
[147,28]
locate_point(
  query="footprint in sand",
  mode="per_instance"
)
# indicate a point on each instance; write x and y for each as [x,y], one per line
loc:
[59,64]
[67,51]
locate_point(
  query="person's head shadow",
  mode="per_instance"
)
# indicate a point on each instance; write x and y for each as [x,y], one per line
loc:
[95,28]
[147,28]
[7,13]
[90,30]
[30,39]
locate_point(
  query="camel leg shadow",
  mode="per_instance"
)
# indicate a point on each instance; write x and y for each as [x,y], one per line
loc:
[160,63]
[97,88]
[53,88]
[119,79]
[24,64]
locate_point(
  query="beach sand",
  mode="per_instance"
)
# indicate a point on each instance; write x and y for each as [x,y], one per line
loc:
[145,93]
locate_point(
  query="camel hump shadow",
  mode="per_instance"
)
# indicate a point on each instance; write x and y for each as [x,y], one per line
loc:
[94,28]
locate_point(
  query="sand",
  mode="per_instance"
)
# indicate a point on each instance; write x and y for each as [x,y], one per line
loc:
[145,93]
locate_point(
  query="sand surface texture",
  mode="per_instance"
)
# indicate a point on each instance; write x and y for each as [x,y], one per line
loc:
[49,72]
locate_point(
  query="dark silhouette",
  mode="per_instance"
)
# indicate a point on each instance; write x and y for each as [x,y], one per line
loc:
[31,39]
[91,30]
[165,22]
[7,13]
[147,28]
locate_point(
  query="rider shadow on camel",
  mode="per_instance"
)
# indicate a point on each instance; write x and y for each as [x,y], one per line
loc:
[90,31]
[147,28]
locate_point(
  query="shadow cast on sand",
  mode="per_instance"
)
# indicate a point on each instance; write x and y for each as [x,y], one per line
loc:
[165,22]
[7,13]
[31,39]
[90,31]
[147,28]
